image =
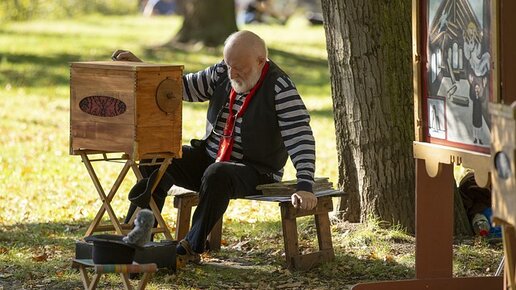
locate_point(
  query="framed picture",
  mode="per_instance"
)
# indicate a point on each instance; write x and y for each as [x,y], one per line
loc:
[458,51]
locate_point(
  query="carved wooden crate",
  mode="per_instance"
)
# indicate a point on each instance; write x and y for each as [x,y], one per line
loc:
[503,162]
[129,107]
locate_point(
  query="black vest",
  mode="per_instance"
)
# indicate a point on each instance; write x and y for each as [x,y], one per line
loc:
[262,144]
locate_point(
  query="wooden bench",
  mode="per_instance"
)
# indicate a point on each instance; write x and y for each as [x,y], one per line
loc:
[185,199]
[123,269]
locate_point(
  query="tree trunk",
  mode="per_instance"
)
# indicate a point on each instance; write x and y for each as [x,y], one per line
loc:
[180,7]
[208,22]
[369,54]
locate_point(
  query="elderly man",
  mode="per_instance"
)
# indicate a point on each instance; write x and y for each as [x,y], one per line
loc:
[255,120]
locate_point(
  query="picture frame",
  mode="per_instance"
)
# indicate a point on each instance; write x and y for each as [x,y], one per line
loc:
[455,72]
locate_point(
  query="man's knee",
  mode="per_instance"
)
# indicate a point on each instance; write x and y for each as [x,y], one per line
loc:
[216,173]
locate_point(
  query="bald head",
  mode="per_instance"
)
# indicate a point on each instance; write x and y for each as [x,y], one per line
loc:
[245,54]
[245,43]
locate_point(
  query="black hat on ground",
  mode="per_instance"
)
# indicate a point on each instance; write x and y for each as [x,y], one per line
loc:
[111,249]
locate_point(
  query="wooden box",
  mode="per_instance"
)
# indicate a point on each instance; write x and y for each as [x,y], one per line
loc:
[503,163]
[129,107]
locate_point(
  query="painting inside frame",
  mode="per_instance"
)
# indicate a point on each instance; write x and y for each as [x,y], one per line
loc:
[458,75]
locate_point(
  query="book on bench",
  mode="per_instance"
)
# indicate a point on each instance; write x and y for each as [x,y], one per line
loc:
[287,188]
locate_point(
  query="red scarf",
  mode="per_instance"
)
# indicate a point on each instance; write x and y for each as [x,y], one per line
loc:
[227,139]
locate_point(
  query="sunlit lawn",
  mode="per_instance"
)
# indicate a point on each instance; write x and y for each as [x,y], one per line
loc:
[47,198]
[34,90]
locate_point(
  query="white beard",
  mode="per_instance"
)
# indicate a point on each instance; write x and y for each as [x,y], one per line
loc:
[244,86]
[239,86]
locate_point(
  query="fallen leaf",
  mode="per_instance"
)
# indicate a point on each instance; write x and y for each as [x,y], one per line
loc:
[389,258]
[372,255]
[40,258]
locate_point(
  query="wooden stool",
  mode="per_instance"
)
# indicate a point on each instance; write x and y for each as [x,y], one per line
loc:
[184,200]
[289,214]
[122,269]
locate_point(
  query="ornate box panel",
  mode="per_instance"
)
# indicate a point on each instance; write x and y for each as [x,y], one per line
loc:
[129,107]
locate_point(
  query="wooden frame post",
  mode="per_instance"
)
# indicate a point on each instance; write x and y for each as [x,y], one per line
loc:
[434,222]
[434,238]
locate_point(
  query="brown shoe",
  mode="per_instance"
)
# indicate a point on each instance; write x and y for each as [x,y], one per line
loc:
[188,256]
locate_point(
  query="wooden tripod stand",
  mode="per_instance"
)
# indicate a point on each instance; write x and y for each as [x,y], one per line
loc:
[115,224]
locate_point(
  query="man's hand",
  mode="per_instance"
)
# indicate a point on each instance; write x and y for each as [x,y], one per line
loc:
[124,55]
[304,200]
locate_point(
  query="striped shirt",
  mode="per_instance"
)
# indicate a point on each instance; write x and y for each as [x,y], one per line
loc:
[293,119]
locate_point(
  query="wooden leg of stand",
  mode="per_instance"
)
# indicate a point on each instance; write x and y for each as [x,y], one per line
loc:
[86,282]
[434,222]
[126,281]
[84,278]
[163,167]
[157,214]
[106,200]
[290,237]
[215,236]
[136,171]
[162,225]
[184,206]
[139,177]
[144,280]
[94,281]
[323,226]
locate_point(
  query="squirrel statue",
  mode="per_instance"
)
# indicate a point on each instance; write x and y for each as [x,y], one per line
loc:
[141,233]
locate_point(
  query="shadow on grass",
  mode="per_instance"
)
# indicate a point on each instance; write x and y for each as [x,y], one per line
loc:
[31,70]
[41,234]
[344,271]
[263,253]
[252,259]
[33,254]
[193,61]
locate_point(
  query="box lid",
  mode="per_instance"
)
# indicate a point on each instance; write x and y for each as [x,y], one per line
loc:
[125,65]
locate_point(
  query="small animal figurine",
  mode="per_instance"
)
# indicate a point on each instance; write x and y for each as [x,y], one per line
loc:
[143,224]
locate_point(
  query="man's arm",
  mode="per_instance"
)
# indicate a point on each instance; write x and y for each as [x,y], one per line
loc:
[199,86]
[294,123]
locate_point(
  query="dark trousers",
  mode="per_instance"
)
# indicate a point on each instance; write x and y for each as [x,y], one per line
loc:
[216,183]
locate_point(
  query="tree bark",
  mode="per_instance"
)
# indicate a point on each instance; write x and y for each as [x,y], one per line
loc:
[369,55]
[208,22]
[180,7]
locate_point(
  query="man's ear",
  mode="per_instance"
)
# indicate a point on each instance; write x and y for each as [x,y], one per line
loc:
[261,61]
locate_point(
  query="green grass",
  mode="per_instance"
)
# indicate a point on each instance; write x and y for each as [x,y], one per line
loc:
[47,198]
